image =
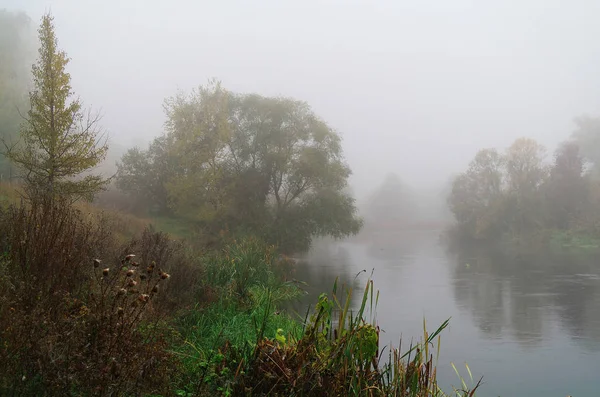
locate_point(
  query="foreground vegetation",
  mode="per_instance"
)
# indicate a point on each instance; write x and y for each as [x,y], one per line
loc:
[154,318]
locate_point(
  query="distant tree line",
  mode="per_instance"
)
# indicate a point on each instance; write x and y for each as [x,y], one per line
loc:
[518,193]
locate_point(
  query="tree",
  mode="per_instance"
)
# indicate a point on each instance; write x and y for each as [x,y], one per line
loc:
[246,162]
[145,174]
[567,188]
[525,174]
[60,141]
[525,169]
[17,51]
[476,198]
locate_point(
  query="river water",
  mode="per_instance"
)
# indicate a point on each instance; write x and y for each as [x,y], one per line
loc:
[530,325]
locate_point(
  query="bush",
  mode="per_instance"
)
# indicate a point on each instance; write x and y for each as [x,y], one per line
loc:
[70,325]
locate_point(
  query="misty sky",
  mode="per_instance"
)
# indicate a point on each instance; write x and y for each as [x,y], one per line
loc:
[415,87]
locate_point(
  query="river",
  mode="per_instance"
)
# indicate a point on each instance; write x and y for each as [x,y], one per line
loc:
[530,325]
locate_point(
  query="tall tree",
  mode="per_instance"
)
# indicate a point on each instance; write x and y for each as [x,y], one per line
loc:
[476,198]
[60,141]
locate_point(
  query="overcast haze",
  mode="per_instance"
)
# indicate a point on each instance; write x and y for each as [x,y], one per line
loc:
[414,87]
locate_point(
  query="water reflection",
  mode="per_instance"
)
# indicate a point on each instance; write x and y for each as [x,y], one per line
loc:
[537,315]
[318,271]
[528,295]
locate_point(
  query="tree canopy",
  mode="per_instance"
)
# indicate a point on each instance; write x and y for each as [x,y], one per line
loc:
[517,193]
[234,161]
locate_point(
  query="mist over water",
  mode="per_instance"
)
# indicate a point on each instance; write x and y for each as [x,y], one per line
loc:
[415,89]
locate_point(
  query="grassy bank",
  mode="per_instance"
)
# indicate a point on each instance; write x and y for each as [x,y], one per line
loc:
[243,344]
[574,241]
[153,316]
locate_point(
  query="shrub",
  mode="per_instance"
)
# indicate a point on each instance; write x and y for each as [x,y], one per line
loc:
[70,325]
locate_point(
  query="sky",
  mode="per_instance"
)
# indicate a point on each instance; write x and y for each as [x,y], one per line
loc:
[414,87]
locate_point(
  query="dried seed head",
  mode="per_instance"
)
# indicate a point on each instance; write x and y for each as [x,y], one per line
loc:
[132,283]
[122,291]
[105,271]
[120,311]
[129,257]
[135,264]
[165,276]
[150,269]
[155,289]
[144,298]
[130,272]
[97,262]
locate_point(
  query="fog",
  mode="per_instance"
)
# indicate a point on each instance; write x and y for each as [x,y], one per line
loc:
[415,88]
[509,249]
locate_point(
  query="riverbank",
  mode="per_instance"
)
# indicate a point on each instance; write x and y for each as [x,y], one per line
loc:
[248,344]
[155,316]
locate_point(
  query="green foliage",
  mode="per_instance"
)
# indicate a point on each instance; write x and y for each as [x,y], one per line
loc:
[144,175]
[574,241]
[60,141]
[246,163]
[338,354]
[242,344]
[219,339]
[242,265]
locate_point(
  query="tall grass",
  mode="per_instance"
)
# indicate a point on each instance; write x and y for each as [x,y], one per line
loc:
[339,354]
[219,339]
